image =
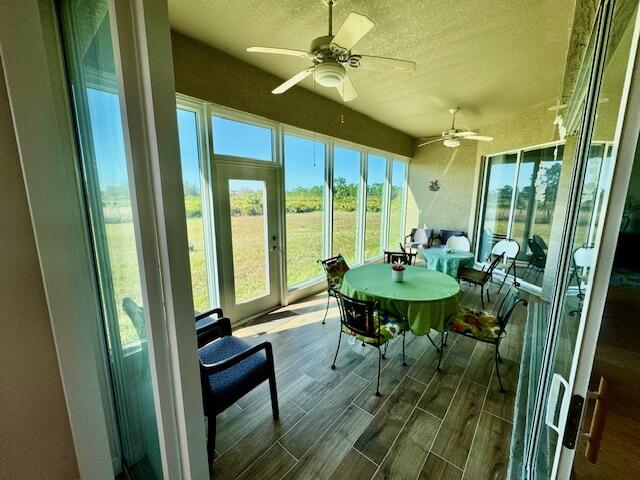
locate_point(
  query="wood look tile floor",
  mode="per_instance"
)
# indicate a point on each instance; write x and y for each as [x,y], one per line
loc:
[454,424]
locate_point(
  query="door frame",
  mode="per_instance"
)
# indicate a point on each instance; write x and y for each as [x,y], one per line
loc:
[270,173]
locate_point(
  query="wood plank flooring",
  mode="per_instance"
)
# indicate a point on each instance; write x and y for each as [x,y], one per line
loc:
[451,424]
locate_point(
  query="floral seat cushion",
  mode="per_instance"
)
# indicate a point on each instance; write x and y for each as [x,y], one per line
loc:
[335,273]
[390,327]
[475,323]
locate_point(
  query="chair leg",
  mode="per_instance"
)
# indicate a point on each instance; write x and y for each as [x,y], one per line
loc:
[442,343]
[211,438]
[274,394]
[433,343]
[487,291]
[497,356]
[386,347]
[482,296]
[404,363]
[326,312]
[379,368]
[446,337]
[333,366]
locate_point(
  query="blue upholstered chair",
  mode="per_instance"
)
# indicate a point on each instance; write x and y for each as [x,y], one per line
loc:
[229,368]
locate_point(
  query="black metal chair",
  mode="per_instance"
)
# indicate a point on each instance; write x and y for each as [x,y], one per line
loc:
[229,369]
[334,268]
[538,259]
[370,325]
[404,258]
[487,328]
[479,277]
[508,249]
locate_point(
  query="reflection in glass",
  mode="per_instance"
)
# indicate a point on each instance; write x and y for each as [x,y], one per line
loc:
[96,105]
[376,173]
[190,161]
[239,139]
[346,195]
[247,202]
[304,169]
[396,204]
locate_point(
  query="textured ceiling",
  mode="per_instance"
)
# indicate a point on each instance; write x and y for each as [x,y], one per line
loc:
[492,58]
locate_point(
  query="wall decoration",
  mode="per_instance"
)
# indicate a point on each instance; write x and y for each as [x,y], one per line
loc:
[435,186]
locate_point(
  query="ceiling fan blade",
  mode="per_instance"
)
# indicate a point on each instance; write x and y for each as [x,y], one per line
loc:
[479,138]
[297,78]
[430,141]
[383,64]
[346,90]
[467,133]
[352,30]
[280,51]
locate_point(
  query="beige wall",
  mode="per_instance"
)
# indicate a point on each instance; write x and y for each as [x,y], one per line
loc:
[35,436]
[204,72]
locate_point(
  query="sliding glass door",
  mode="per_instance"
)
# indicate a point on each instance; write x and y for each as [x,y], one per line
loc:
[115,239]
[519,203]
[375,205]
[347,203]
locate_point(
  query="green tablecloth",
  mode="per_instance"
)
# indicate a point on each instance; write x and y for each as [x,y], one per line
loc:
[449,263]
[425,298]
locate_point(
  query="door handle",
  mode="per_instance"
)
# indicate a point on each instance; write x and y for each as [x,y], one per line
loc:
[552,402]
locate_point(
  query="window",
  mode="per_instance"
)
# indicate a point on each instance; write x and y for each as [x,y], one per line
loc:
[304,173]
[396,204]
[376,174]
[190,161]
[239,139]
[519,203]
[346,202]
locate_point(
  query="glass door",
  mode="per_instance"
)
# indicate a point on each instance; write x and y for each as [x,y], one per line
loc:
[250,276]
[557,413]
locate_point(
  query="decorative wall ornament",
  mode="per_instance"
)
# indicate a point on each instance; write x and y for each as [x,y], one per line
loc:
[434,186]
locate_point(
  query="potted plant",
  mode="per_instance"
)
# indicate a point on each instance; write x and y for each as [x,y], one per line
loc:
[397,272]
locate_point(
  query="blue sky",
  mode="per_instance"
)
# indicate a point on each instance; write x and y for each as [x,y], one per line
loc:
[230,138]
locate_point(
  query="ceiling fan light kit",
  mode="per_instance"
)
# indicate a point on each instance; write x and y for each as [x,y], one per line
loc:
[331,53]
[330,74]
[451,142]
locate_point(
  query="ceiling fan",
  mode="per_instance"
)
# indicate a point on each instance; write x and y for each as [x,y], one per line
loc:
[451,138]
[331,53]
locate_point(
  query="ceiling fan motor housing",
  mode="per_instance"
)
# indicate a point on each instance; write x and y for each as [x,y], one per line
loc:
[329,74]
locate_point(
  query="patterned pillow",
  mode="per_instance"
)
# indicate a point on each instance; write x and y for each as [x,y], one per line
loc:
[475,323]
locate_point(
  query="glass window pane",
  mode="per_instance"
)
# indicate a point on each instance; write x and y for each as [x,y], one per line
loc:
[501,176]
[537,189]
[346,198]
[376,173]
[304,174]
[96,105]
[248,205]
[239,139]
[190,161]
[396,204]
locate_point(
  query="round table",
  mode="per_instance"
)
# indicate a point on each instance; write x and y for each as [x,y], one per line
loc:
[447,262]
[426,299]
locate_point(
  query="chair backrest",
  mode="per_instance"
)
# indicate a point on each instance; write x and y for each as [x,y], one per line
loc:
[540,241]
[508,305]
[405,258]
[536,249]
[358,315]
[459,242]
[494,263]
[507,248]
[136,313]
[445,234]
[583,260]
[334,268]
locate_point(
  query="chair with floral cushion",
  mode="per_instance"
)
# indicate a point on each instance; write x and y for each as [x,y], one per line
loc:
[366,322]
[334,268]
[486,327]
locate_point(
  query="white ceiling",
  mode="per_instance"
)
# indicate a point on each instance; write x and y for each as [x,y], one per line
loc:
[493,58]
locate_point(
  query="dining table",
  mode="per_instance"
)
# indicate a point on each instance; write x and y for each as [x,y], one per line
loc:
[447,261]
[425,298]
